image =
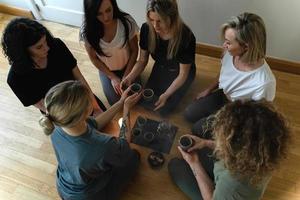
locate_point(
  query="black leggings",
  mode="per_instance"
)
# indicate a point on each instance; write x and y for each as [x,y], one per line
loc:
[161,77]
[203,107]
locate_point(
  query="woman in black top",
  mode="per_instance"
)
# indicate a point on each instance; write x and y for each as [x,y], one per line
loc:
[38,62]
[172,45]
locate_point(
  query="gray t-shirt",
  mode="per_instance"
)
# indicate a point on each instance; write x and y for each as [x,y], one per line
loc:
[85,162]
[228,187]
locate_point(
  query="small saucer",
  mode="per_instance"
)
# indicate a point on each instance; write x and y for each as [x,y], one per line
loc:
[156,160]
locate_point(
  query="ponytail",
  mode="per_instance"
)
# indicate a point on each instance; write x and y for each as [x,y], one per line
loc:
[47,124]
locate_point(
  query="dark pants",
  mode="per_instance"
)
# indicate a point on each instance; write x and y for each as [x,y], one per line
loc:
[183,176]
[120,178]
[161,77]
[203,107]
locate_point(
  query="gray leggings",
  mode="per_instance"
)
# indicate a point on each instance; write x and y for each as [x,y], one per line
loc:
[183,176]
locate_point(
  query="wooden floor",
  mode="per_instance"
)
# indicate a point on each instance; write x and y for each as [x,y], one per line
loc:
[27,160]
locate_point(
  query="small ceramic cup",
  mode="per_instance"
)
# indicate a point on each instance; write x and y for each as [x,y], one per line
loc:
[135,88]
[136,132]
[186,142]
[141,121]
[148,94]
[149,137]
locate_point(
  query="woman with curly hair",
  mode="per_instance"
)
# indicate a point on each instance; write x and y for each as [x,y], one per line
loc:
[171,44]
[244,74]
[38,62]
[250,141]
[110,39]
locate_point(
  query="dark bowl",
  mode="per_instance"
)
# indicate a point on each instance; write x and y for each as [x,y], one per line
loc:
[156,160]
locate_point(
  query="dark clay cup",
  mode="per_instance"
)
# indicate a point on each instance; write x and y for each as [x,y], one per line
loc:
[148,94]
[135,88]
[186,142]
[136,132]
[149,137]
[141,121]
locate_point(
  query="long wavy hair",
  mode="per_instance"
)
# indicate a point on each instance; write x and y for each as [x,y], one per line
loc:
[250,30]
[93,29]
[168,11]
[66,104]
[18,35]
[251,139]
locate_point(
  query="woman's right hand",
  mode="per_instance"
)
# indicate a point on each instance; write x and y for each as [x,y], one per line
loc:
[199,143]
[125,83]
[131,100]
[115,82]
[203,94]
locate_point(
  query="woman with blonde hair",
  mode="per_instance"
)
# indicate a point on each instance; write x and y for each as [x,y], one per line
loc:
[91,165]
[250,139]
[244,74]
[172,45]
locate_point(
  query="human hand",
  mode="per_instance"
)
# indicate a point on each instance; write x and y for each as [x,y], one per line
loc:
[125,83]
[131,100]
[115,82]
[199,143]
[190,157]
[161,101]
[203,94]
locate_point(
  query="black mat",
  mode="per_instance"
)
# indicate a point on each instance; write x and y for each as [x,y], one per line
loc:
[149,105]
[162,142]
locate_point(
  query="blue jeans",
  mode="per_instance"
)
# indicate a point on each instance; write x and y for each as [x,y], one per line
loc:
[111,96]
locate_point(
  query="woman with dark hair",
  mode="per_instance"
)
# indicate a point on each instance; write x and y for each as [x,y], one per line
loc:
[250,140]
[172,45]
[110,38]
[244,74]
[38,62]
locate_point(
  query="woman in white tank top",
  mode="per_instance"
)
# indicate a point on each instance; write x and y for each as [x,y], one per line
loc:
[110,37]
[244,73]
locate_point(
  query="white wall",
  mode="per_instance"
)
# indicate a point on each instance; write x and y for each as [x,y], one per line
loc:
[16,3]
[206,16]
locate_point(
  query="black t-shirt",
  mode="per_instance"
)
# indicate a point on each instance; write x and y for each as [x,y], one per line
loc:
[32,86]
[185,54]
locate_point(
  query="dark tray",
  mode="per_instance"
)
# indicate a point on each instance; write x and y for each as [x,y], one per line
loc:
[149,105]
[162,142]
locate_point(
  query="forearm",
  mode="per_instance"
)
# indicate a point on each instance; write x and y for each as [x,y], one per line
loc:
[213,85]
[137,69]
[125,129]
[210,144]
[176,84]
[133,56]
[105,117]
[205,184]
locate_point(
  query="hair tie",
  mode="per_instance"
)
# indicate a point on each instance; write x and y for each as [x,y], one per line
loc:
[48,116]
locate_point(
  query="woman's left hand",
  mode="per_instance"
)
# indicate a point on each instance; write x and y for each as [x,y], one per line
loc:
[161,101]
[191,158]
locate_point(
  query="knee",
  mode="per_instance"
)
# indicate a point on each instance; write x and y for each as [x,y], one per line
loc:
[189,113]
[174,167]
